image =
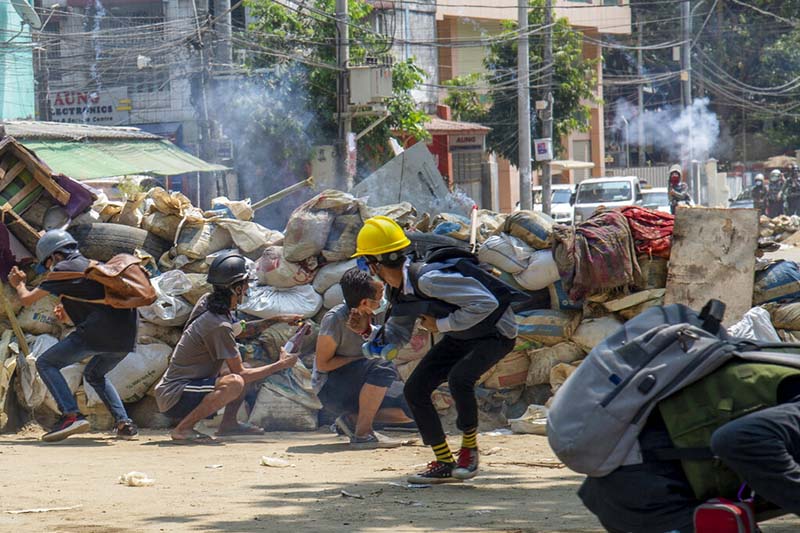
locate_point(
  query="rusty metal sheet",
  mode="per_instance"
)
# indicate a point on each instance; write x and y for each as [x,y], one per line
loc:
[713,256]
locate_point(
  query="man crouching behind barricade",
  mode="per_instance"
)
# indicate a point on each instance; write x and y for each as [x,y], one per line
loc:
[682,428]
[453,296]
[195,385]
[103,332]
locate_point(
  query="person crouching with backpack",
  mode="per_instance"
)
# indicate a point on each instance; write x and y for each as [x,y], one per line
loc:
[477,333]
[195,385]
[102,332]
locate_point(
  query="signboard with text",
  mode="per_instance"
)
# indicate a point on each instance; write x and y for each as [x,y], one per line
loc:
[470,141]
[104,107]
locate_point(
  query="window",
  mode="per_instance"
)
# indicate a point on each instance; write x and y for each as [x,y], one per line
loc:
[561,196]
[655,199]
[607,191]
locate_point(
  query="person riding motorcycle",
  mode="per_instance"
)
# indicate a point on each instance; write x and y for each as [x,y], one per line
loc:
[678,190]
[759,193]
[775,194]
[791,191]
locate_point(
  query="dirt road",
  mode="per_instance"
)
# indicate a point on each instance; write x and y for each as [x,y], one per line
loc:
[225,489]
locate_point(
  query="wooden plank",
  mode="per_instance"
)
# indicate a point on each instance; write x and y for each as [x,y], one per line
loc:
[11,174]
[713,256]
[42,174]
[7,209]
[24,192]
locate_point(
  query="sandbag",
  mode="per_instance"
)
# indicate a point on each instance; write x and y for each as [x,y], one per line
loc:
[150,333]
[274,269]
[135,374]
[200,287]
[249,236]
[73,375]
[269,302]
[592,331]
[560,373]
[275,412]
[785,316]
[403,213]
[416,348]
[406,368]
[541,361]
[451,225]
[780,281]
[534,228]
[333,297]
[198,242]
[540,273]
[169,309]
[532,422]
[510,371]
[331,274]
[240,209]
[505,252]
[547,326]
[11,297]
[306,234]
[559,298]
[8,363]
[32,387]
[274,338]
[652,273]
[174,203]
[38,319]
[755,325]
[341,243]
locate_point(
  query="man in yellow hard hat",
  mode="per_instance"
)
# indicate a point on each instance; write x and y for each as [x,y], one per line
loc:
[453,296]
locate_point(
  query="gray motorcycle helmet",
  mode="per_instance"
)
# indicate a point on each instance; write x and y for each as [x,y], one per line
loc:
[55,240]
[228,270]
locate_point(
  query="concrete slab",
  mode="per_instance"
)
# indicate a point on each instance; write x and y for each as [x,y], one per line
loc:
[713,256]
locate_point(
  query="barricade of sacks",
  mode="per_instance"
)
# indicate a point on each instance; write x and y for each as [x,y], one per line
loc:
[583,282]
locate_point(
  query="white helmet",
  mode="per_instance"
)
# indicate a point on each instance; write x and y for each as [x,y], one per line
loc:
[775,175]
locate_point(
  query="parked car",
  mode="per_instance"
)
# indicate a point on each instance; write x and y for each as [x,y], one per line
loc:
[656,198]
[560,207]
[605,192]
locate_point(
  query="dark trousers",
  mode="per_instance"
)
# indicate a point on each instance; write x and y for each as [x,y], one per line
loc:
[764,448]
[460,363]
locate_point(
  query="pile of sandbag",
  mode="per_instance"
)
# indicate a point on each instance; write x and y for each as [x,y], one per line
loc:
[779,228]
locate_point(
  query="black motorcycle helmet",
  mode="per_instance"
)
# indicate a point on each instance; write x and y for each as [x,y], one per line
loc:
[227,270]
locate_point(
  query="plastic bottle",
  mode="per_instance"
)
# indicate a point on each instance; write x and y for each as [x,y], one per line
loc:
[295,343]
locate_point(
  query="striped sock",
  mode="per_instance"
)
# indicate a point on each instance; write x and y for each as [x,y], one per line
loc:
[443,453]
[470,438]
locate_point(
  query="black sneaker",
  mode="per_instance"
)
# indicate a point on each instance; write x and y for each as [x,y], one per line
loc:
[467,465]
[67,425]
[436,473]
[126,430]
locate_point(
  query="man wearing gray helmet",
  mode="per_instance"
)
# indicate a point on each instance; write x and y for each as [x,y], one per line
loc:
[102,332]
[195,384]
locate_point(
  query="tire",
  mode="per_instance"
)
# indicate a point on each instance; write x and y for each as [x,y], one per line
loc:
[422,243]
[104,241]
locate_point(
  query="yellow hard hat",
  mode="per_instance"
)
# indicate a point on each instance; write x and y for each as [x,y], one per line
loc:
[380,235]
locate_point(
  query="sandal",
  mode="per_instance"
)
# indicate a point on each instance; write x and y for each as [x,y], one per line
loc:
[195,437]
[241,429]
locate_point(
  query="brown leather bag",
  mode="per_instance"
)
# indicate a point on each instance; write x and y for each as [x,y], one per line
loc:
[127,284]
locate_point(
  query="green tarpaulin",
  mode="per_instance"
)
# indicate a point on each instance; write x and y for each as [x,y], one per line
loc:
[106,158]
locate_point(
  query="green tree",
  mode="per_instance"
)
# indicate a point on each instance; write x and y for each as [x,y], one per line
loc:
[574,82]
[465,100]
[305,38]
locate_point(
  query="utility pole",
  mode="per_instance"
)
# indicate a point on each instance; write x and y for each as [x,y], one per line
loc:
[686,91]
[547,123]
[640,90]
[524,109]
[343,118]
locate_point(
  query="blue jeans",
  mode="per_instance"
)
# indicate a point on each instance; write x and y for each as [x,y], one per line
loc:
[72,350]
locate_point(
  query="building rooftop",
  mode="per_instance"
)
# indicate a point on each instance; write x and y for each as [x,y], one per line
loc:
[34,129]
[436,125]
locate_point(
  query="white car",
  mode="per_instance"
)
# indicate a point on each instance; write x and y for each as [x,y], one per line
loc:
[656,198]
[605,192]
[560,207]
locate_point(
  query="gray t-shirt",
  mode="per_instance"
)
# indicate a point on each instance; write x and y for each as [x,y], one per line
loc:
[348,342]
[205,344]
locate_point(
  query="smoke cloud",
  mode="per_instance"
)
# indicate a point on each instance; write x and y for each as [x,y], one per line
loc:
[686,134]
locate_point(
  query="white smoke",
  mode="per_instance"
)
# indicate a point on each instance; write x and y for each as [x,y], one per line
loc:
[685,133]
